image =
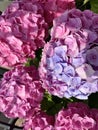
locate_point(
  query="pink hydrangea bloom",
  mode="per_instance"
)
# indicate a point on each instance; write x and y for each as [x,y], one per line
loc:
[39,121]
[69,64]
[20,91]
[77,117]
[49,9]
[20,36]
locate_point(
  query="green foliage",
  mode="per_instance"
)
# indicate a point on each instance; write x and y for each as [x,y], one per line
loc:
[94,5]
[2,71]
[83,4]
[28,63]
[36,60]
[52,104]
[38,53]
[87,4]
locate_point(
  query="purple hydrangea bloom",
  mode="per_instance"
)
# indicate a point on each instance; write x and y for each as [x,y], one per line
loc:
[69,65]
[77,116]
[82,24]
[20,91]
[68,76]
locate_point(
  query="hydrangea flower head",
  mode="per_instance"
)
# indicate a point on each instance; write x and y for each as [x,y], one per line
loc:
[77,117]
[20,36]
[20,91]
[76,22]
[69,65]
[67,75]
[39,121]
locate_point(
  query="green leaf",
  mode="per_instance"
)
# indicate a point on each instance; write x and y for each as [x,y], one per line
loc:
[36,60]
[48,96]
[54,109]
[94,5]
[46,104]
[28,62]
[83,4]
[57,99]
[52,104]
[2,71]
[38,53]
[85,1]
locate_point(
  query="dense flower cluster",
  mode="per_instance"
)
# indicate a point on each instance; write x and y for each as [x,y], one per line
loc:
[21,34]
[54,8]
[81,24]
[49,9]
[67,69]
[32,6]
[20,91]
[77,117]
[23,28]
[69,61]
[39,121]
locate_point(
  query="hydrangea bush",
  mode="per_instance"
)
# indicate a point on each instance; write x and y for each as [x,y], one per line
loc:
[49,49]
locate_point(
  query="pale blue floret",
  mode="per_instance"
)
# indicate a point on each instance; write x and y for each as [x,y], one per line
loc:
[61,51]
[69,70]
[56,58]
[85,88]
[80,59]
[89,87]
[66,78]
[58,68]
[50,64]
[76,82]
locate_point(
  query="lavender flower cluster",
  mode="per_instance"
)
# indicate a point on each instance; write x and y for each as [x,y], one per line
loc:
[68,66]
